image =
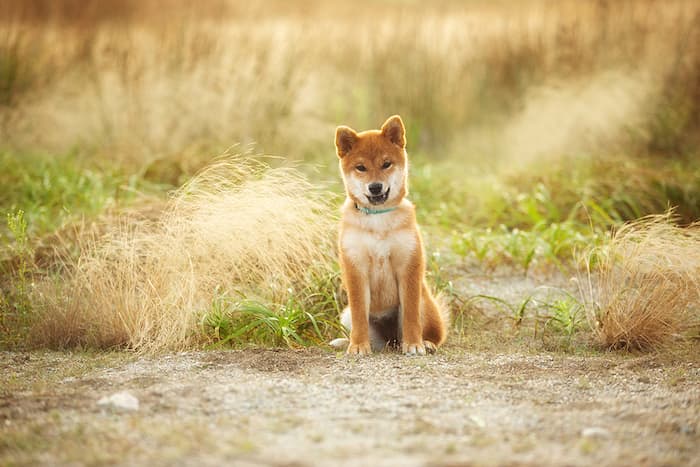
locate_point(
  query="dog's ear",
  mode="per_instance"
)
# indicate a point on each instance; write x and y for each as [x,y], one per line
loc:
[345,139]
[394,131]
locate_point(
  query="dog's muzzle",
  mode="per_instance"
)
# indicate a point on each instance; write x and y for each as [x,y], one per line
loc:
[379,198]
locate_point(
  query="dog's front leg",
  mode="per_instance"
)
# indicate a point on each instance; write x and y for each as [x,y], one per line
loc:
[410,295]
[357,287]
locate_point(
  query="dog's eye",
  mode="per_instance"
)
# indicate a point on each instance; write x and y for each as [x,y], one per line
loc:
[361,168]
[386,165]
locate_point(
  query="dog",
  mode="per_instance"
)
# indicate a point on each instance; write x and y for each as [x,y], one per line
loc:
[380,248]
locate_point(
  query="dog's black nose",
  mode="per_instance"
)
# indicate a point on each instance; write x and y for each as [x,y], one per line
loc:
[375,188]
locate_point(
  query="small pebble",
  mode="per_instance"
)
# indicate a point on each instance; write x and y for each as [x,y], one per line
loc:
[120,401]
[595,432]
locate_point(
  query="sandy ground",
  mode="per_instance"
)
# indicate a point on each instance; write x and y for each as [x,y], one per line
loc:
[315,407]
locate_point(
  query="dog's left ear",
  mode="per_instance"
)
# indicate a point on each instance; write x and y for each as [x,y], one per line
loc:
[345,139]
[394,131]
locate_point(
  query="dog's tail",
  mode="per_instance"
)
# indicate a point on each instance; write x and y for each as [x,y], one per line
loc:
[342,343]
[443,304]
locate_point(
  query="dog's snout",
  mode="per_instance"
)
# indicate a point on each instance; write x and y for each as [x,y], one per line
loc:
[375,188]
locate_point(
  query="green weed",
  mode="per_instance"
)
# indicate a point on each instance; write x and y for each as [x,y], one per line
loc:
[15,301]
[307,317]
[545,245]
[557,314]
[515,311]
[53,191]
[253,322]
[566,316]
[584,195]
[236,322]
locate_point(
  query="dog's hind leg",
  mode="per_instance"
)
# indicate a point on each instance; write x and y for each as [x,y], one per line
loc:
[382,331]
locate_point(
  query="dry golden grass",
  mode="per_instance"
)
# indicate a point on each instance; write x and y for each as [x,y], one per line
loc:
[237,228]
[136,85]
[644,285]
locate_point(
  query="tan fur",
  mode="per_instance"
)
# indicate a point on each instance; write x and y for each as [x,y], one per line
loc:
[381,255]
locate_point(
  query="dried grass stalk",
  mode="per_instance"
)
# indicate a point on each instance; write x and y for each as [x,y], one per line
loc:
[643,287]
[238,227]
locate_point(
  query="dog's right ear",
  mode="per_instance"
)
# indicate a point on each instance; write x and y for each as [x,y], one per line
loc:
[345,139]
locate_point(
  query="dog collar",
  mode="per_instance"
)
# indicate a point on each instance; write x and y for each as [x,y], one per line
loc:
[364,210]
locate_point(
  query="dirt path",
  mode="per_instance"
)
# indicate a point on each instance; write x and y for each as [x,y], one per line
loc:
[312,407]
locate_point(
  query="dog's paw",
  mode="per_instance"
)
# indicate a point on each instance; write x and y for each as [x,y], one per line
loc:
[362,348]
[430,347]
[413,349]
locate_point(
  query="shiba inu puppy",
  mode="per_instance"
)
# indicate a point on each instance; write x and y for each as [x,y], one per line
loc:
[381,251]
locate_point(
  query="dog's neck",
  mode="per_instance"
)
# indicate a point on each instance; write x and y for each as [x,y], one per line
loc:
[370,211]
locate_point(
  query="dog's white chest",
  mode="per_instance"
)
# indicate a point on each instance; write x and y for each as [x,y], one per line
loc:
[379,248]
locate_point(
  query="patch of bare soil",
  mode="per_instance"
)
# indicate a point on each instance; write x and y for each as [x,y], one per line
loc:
[312,407]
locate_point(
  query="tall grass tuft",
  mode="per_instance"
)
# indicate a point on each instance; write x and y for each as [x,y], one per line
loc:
[237,228]
[642,288]
[16,282]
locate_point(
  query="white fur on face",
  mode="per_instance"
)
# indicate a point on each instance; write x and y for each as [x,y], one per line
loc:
[355,186]
[396,180]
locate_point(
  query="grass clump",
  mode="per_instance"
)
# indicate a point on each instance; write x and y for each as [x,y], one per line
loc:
[15,304]
[566,317]
[308,316]
[252,322]
[543,317]
[642,288]
[238,228]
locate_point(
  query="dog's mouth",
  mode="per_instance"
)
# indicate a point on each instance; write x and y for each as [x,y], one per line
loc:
[379,199]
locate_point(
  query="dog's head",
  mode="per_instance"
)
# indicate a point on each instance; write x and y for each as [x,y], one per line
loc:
[373,163]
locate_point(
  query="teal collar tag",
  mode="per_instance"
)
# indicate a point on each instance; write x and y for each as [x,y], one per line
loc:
[364,210]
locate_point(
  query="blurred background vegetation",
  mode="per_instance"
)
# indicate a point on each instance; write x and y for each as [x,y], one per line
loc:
[534,126]
[591,98]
